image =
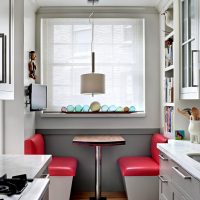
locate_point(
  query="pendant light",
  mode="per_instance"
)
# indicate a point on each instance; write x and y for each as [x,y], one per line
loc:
[92,83]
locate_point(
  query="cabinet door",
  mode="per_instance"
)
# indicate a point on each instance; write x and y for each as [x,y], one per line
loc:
[189,49]
[177,195]
[6,49]
[165,192]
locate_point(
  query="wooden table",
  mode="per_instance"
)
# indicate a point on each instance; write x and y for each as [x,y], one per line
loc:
[98,141]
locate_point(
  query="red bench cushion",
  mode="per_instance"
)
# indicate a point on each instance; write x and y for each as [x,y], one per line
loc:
[62,166]
[59,166]
[157,138]
[34,145]
[138,166]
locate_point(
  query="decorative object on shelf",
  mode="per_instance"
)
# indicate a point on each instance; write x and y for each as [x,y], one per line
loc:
[63,109]
[86,108]
[2,58]
[112,108]
[95,106]
[179,134]
[104,108]
[126,109]
[78,108]
[169,52]
[132,109]
[70,108]
[31,65]
[92,83]
[169,18]
[120,109]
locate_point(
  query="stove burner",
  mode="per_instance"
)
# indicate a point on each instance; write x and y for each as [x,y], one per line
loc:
[12,186]
[3,188]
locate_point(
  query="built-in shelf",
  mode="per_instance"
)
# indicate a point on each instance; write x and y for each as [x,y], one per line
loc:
[88,115]
[169,104]
[170,35]
[171,67]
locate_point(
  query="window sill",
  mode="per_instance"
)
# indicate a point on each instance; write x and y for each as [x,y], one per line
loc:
[91,115]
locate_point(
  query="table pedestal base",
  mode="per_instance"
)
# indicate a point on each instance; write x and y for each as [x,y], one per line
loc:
[101,198]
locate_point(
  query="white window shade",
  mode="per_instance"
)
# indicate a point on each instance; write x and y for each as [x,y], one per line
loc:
[66,54]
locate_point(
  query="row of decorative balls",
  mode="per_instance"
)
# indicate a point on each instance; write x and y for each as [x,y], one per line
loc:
[96,107]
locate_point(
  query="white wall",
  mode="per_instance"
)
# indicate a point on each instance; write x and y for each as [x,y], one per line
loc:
[19,122]
[14,110]
[152,119]
[29,45]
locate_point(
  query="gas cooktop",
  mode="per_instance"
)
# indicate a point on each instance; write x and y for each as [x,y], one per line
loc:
[14,185]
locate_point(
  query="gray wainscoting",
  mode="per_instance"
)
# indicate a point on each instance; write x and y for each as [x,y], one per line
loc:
[59,143]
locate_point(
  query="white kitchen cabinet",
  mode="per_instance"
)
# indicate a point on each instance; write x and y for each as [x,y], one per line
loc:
[7,50]
[175,182]
[165,191]
[189,21]
[179,196]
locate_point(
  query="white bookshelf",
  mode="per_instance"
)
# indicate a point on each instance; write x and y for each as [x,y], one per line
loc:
[173,70]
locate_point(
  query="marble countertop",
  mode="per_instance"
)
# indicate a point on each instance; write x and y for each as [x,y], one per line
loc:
[32,165]
[178,151]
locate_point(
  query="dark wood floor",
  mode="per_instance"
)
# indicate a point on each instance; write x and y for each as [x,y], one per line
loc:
[109,195]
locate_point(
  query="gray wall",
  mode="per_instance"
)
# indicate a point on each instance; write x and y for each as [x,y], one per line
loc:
[59,143]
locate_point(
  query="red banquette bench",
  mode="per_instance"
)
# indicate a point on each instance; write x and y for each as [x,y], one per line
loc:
[61,169]
[140,173]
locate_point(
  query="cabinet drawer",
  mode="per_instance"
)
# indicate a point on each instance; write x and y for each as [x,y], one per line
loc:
[165,191]
[184,181]
[165,166]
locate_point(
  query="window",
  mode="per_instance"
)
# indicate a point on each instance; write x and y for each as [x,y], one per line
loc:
[66,54]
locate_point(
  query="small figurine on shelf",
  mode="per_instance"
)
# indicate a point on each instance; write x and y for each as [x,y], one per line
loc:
[31,65]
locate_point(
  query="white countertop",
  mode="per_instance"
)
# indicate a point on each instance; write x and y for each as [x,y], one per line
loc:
[31,165]
[178,150]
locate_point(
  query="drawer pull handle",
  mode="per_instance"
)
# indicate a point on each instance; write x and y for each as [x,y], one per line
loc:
[163,158]
[180,173]
[45,176]
[163,180]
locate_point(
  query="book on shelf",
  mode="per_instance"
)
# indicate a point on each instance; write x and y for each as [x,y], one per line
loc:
[169,116]
[169,89]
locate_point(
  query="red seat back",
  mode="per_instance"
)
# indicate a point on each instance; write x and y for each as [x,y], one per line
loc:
[34,145]
[156,138]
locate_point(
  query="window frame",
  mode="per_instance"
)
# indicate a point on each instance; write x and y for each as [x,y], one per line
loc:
[84,14]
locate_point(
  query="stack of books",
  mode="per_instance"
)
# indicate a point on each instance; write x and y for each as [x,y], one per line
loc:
[169,89]
[169,115]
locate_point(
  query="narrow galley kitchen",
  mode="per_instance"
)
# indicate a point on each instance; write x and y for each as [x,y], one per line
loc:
[99,100]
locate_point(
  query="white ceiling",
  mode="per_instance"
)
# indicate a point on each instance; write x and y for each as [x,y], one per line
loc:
[100,3]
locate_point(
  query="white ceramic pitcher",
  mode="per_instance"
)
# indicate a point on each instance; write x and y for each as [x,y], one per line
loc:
[194,130]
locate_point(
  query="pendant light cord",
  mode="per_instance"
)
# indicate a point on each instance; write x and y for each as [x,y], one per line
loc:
[92,23]
[92,41]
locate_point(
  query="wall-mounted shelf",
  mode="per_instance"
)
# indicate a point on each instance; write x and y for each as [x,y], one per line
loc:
[170,35]
[171,67]
[169,104]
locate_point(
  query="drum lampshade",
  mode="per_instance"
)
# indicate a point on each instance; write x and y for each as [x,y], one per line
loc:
[92,83]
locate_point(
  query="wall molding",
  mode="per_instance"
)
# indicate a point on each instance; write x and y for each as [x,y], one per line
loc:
[107,9]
